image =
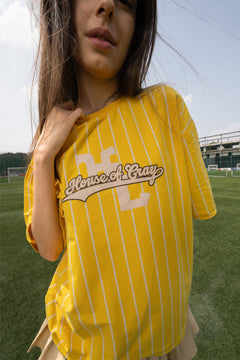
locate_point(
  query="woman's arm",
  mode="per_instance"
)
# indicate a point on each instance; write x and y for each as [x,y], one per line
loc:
[45,227]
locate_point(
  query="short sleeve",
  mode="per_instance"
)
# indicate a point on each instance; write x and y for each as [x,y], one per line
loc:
[28,207]
[203,205]
[28,204]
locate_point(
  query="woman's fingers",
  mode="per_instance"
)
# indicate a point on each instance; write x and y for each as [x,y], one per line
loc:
[57,127]
[76,114]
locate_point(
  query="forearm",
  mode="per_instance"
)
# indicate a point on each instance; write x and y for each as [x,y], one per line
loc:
[45,227]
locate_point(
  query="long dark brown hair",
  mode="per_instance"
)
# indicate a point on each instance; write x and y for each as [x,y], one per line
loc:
[55,64]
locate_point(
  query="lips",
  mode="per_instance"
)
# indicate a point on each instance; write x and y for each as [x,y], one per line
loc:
[101,34]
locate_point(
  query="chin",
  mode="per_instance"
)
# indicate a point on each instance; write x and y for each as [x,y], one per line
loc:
[100,66]
[101,72]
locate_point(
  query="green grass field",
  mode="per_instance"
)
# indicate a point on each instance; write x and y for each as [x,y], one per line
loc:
[215,296]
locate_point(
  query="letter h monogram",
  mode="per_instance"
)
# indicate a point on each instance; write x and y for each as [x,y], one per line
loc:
[107,167]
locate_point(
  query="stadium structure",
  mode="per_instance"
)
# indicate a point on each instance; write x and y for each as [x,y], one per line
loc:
[222,151]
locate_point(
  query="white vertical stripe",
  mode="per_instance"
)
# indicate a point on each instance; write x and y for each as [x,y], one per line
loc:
[52,286]
[64,255]
[50,317]
[166,175]
[60,342]
[67,317]
[114,271]
[195,210]
[51,302]
[53,330]
[82,350]
[149,226]
[64,300]
[60,330]
[200,161]
[182,109]
[194,170]
[182,203]
[123,244]
[100,276]
[95,253]
[61,288]
[179,180]
[70,264]
[136,235]
[63,271]
[189,120]
[199,156]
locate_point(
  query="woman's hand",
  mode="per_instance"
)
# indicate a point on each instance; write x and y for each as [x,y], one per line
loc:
[57,128]
[45,226]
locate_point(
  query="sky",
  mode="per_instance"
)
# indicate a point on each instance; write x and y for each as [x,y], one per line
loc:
[206,33]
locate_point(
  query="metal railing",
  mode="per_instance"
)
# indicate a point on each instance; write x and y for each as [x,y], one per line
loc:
[220,139]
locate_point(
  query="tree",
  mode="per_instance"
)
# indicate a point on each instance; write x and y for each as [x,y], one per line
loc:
[12,160]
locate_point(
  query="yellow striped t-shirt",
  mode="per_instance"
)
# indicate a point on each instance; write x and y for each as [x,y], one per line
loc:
[130,179]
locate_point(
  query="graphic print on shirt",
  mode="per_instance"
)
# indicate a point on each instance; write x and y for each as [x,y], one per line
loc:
[112,175]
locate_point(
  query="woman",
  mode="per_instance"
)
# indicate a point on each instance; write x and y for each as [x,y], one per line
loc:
[115,178]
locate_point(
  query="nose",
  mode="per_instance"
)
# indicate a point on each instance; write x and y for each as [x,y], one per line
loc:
[105,8]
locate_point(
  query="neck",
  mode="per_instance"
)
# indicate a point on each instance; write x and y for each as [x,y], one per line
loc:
[94,94]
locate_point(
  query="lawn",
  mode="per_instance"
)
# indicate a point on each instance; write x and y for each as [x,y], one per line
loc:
[24,279]
[215,294]
[215,289]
